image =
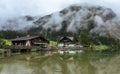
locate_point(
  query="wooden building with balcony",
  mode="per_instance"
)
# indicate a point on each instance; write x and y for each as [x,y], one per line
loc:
[30,41]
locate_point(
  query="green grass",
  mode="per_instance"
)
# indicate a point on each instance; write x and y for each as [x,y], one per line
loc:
[7,42]
[53,43]
[101,47]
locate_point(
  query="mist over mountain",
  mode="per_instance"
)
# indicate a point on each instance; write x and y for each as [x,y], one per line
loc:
[95,19]
[20,23]
[73,19]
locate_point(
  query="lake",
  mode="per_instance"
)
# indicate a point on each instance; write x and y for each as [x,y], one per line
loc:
[47,63]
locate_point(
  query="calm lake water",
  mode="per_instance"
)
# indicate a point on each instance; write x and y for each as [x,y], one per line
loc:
[40,63]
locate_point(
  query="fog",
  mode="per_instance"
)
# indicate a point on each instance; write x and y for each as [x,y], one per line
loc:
[15,8]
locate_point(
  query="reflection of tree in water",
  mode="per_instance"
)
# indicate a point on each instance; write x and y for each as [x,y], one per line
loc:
[0,68]
[65,64]
[81,64]
[52,65]
[61,64]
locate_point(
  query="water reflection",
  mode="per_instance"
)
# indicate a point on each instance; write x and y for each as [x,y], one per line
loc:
[36,63]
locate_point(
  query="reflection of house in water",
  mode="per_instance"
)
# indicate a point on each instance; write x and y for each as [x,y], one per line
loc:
[67,42]
[30,41]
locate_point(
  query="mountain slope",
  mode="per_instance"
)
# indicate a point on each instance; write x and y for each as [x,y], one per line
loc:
[71,20]
[20,23]
[95,19]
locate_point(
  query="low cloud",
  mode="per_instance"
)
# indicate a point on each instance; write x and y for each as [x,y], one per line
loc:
[15,8]
[11,9]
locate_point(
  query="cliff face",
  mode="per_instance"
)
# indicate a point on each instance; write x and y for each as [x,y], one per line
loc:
[95,19]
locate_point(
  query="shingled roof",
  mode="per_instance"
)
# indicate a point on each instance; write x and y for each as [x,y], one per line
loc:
[24,38]
[66,37]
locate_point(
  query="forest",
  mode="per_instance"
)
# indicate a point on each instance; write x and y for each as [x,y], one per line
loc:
[84,37]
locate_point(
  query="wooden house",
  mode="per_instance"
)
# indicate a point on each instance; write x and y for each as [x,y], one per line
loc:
[30,41]
[67,42]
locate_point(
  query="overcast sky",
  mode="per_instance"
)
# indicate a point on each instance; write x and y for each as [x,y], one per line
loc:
[16,8]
